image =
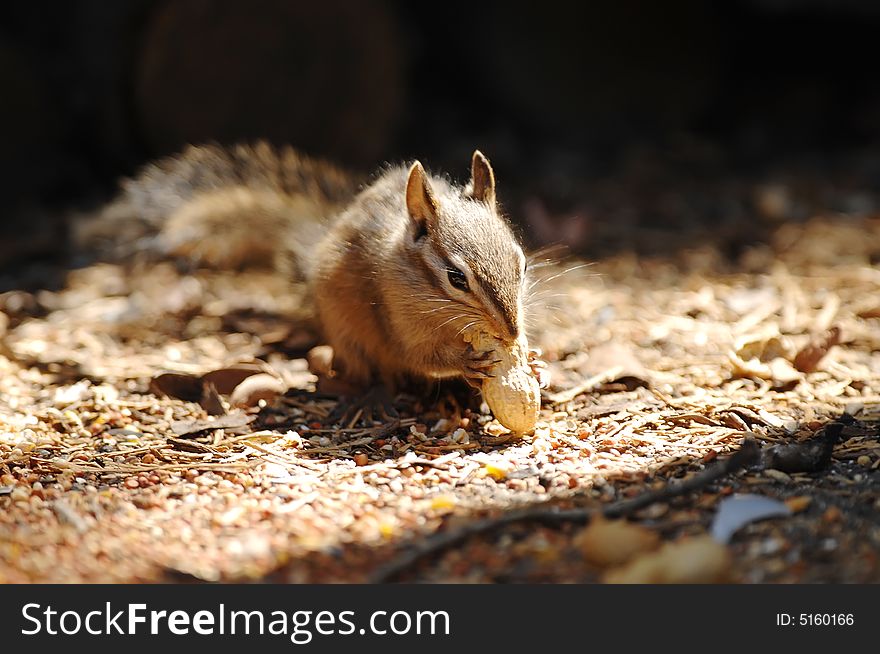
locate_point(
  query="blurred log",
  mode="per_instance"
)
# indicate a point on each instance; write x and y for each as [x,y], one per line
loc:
[326,76]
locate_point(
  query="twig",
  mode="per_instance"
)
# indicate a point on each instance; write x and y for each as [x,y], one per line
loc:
[587,385]
[747,454]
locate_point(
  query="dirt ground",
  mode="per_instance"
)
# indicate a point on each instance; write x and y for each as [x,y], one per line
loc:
[660,368]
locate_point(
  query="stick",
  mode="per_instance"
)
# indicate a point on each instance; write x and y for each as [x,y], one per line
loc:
[743,457]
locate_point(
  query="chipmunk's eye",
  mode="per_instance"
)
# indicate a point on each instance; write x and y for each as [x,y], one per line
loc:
[457,278]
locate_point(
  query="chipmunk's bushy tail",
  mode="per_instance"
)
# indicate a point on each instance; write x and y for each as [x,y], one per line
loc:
[224,208]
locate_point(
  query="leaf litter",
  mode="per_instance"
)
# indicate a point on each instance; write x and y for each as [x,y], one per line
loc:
[123,457]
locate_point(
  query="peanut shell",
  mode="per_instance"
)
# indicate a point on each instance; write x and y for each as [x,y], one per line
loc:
[513,394]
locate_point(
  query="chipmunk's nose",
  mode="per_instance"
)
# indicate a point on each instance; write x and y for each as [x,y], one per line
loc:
[504,329]
[510,325]
[504,309]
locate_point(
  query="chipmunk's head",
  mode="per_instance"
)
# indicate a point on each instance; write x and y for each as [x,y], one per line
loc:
[471,257]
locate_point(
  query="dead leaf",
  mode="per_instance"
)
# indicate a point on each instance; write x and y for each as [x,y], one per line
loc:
[614,542]
[255,388]
[778,370]
[609,363]
[808,358]
[230,421]
[210,400]
[759,417]
[189,446]
[764,355]
[179,386]
[320,360]
[699,560]
[766,345]
[745,300]
[226,379]
[615,355]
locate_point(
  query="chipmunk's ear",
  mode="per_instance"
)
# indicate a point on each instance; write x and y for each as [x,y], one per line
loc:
[482,179]
[420,201]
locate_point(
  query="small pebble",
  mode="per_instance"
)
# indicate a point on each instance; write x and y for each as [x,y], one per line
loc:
[798,504]
[777,475]
[441,425]
[832,514]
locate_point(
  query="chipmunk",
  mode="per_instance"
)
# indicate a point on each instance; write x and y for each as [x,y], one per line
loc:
[397,270]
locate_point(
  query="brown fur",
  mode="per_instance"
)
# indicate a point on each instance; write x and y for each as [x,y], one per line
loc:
[376,261]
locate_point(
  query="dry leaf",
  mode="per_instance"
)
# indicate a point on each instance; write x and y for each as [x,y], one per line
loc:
[231,421]
[206,389]
[320,360]
[699,560]
[765,355]
[765,345]
[615,355]
[226,379]
[614,542]
[778,370]
[189,446]
[210,400]
[255,388]
[179,386]
[808,358]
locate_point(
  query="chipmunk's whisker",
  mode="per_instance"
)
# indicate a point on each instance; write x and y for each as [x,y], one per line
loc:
[567,271]
[554,250]
[436,309]
[538,298]
[446,322]
[467,326]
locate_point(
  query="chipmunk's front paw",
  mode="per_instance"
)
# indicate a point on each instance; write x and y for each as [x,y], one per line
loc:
[539,367]
[478,366]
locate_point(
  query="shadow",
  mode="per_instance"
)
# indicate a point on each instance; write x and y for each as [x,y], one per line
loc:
[537,543]
[661,142]
[626,129]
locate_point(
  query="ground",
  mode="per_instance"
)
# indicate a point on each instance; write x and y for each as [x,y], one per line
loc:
[660,367]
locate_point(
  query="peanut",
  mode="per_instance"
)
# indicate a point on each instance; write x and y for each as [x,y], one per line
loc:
[513,394]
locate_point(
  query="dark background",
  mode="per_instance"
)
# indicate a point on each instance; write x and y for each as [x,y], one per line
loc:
[612,124]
